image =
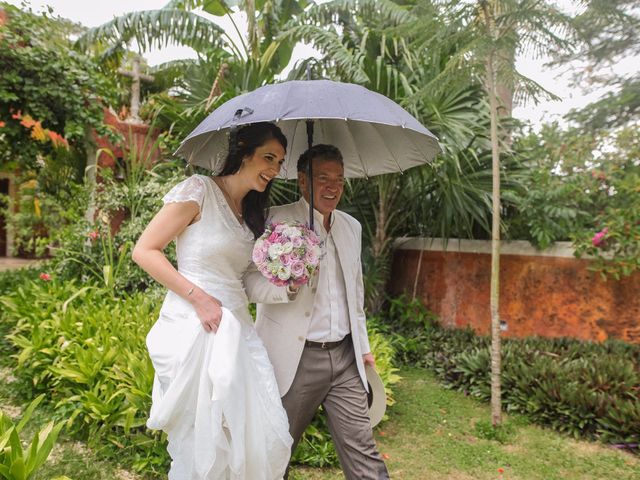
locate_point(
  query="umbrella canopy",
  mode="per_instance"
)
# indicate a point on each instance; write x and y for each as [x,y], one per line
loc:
[374,134]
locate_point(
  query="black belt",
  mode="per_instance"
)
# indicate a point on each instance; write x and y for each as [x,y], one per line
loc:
[325,345]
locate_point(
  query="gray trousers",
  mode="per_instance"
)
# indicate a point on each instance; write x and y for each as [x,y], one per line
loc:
[330,378]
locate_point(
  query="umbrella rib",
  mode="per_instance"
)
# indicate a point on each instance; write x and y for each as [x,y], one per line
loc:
[200,147]
[424,153]
[283,103]
[293,142]
[364,166]
[395,160]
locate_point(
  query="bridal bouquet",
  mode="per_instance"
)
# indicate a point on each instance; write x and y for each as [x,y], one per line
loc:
[287,253]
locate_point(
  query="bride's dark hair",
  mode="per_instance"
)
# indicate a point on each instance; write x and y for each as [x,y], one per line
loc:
[243,142]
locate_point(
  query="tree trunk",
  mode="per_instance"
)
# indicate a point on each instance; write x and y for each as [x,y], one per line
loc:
[382,241]
[90,175]
[496,402]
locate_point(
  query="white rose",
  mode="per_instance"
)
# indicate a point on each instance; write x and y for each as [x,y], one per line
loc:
[284,272]
[292,232]
[275,250]
[287,247]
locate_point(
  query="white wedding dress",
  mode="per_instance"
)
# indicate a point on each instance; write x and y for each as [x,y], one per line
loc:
[215,394]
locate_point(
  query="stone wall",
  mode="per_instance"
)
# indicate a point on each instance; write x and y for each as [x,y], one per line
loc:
[548,293]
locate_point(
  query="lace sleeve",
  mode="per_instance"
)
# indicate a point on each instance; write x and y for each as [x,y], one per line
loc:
[189,190]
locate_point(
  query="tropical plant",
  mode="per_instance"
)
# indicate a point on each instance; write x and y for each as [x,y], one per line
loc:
[614,237]
[490,34]
[15,462]
[364,44]
[35,50]
[251,61]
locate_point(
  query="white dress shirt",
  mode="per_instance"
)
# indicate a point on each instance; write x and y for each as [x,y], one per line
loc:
[330,315]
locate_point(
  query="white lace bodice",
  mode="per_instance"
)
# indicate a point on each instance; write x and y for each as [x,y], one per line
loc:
[215,251]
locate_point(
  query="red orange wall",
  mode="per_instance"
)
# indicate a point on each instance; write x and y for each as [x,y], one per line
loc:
[550,296]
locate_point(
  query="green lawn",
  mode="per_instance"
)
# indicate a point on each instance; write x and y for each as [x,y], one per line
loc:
[430,434]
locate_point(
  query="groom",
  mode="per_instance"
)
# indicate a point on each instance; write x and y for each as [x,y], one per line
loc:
[317,337]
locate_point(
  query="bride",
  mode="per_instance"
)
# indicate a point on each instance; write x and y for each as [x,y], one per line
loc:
[214,391]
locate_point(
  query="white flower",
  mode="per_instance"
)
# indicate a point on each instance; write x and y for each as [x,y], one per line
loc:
[284,272]
[292,232]
[287,247]
[275,250]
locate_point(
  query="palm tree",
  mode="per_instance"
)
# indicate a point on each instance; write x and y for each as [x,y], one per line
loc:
[255,58]
[364,44]
[490,34]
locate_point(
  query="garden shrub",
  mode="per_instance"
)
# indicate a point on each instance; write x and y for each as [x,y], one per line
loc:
[584,389]
[84,347]
[99,252]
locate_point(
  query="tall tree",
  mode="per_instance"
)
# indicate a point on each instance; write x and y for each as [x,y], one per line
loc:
[362,44]
[490,35]
[256,57]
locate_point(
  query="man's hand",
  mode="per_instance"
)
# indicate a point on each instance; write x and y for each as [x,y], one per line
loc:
[368,359]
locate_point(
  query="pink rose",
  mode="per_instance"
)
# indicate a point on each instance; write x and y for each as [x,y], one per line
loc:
[259,256]
[313,239]
[279,283]
[311,258]
[287,259]
[297,242]
[297,269]
[301,281]
[274,237]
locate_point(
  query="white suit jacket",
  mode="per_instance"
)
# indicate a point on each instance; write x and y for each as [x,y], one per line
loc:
[282,324]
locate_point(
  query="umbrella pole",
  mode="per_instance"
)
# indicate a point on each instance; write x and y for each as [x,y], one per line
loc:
[310,171]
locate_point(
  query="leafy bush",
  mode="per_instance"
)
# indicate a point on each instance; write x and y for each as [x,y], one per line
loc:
[582,188]
[84,348]
[584,389]
[15,463]
[92,251]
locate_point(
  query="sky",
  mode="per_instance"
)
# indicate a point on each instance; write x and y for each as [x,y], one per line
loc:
[94,13]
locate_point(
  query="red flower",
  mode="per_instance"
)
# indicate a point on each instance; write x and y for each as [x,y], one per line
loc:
[57,139]
[45,276]
[501,470]
[93,235]
[17,116]
[2,124]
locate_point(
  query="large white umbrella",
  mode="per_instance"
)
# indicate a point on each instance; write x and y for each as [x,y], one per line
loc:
[374,134]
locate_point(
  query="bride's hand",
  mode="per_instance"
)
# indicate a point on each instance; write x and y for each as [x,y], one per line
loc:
[208,309]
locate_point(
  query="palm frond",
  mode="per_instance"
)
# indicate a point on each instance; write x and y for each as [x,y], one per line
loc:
[347,62]
[158,28]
